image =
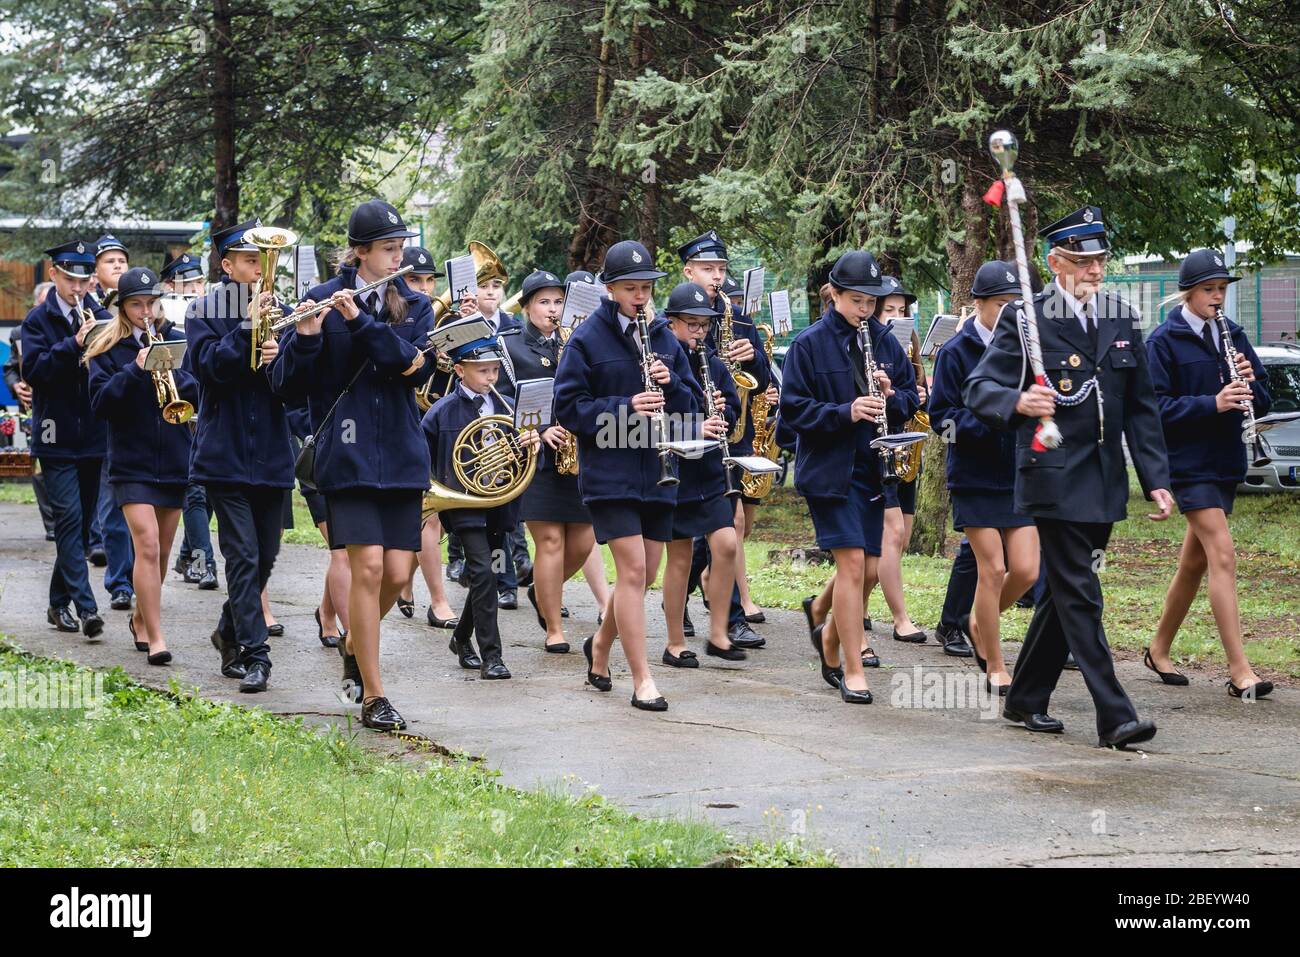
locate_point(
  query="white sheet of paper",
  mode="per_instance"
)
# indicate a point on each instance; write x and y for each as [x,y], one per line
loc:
[164,356]
[580,300]
[779,301]
[533,403]
[754,464]
[941,330]
[751,302]
[304,270]
[462,278]
[902,330]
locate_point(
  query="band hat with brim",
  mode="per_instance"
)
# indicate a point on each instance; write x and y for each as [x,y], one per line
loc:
[421,261]
[995,278]
[140,281]
[858,271]
[730,287]
[182,268]
[537,280]
[689,299]
[480,350]
[628,260]
[1082,232]
[707,247]
[581,275]
[376,220]
[107,243]
[895,288]
[74,258]
[1203,265]
[231,239]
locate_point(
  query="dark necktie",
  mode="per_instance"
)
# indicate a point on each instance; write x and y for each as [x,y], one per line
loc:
[1091,312]
[375,304]
[859,361]
[1207,334]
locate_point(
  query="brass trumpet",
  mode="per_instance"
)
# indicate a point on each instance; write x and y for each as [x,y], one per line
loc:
[175,410]
[269,240]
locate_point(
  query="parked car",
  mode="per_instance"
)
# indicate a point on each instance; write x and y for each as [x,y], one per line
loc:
[1282,444]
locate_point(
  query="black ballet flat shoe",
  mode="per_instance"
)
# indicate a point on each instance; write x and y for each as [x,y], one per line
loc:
[465,654]
[727,654]
[275,631]
[139,645]
[1259,689]
[807,612]
[832,676]
[407,608]
[436,622]
[654,704]
[849,696]
[329,641]
[564,611]
[869,658]
[559,648]
[163,657]
[757,618]
[599,682]
[916,637]
[1039,721]
[999,690]
[964,625]
[532,600]
[353,687]
[1130,732]
[379,715]
[1168,677]
[687,659]
[866,625]
[61,618]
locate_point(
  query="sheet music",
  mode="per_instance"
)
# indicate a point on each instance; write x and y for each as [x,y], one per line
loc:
[462,278]
[779,301]
[752,299]
[941,330]
[305,272]
[165,356]
[902,330]
[581,299]
[533,403]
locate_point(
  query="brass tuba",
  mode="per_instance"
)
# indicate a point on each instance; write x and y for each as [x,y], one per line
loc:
[490,462]
[269,240]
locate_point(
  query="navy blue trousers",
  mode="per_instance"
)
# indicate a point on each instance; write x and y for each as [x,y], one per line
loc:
[962,580]
[250,520]
[73,490]
[197,517]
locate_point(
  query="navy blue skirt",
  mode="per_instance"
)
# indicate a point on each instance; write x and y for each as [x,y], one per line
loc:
[619,518]
[986,510]
[901,495]
[315,504]
[552,497]
[1205,495]
[149,493]
[693,519]
[390,518]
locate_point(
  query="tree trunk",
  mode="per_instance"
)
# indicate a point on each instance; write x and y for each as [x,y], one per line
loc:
[226,179]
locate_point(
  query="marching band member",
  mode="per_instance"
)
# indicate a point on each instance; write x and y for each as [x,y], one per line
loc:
[148,456]
[183,276]
[111,262]
[704,262]
[1201,407]
[900,498]
[560,525]
[601,386]
[832,408]
[423,278]
[482,531]
[67,439]
[704,509]
[357,365]
[981,475]
[242,453]
[1078,490]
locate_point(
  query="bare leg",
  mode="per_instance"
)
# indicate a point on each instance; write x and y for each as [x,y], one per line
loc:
[366,563]
[676,572]
[548,575]
[593,570]
[636,561]
[850,573]
[744,528]
[1211,528]
[144,522]
[725,552]
[1192,565]
[266,610]
[430,559]
[898,529]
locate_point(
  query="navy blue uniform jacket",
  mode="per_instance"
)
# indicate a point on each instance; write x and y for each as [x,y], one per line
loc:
[52,366]
[703,479]
[743,328]
[1205,445]
[373,440]
[142,447]
[599,373]
[818,387]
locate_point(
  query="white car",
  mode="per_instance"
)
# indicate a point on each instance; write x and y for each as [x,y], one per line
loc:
[1282,444]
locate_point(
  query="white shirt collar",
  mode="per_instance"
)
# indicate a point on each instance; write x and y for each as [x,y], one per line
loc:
[1197,324]
[985,334]
[64,307]
[381,289]
[1078,307]
[475,396]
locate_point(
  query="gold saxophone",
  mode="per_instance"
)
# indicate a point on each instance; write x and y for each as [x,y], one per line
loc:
[745,383]
[751,485]
[566,456]
[908,458]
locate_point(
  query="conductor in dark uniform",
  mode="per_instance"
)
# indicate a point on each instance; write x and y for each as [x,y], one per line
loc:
[1099,392]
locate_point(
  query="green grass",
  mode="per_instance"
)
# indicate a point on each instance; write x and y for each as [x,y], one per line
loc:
[1139,565]
[159,780]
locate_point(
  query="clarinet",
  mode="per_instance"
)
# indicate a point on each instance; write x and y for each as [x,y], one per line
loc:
[1250,435]
[888,469]
[659,421]
[706,381]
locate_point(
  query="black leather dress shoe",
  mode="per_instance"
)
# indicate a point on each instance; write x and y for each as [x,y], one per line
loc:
[953,641]
[61,618]
[255,678]
[407,608]
[231,666]
[742,636]
[121,600]
[209,580]
[353,688]
[92,626]
[193,573]
[436,622]
[599,682]
[494,670]
[98,557]
[1130,732]
[915,637]
[180,566]
[379,715]
[727,654]
[465,653]
[507,600]
[1034,722]
[687,659]
[456,572]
